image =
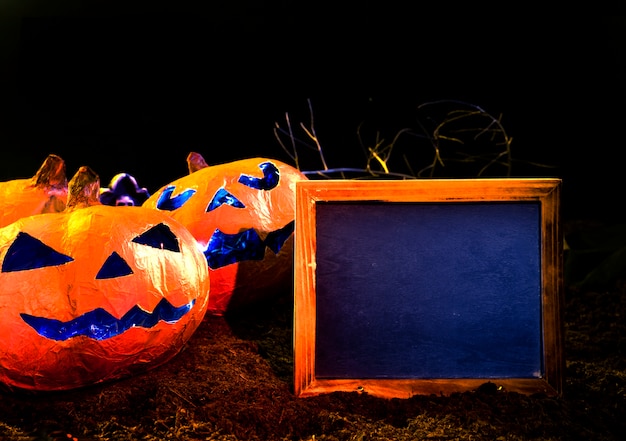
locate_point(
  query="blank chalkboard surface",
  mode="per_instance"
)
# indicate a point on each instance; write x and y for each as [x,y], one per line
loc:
[427,286]
[428,291]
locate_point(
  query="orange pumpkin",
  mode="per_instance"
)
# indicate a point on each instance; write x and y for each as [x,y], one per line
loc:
[45,192]
[96,292]
[242,215]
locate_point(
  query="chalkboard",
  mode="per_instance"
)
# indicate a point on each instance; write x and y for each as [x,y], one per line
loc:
[427,286]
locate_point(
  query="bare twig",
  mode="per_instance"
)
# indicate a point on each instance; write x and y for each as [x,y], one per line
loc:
[464,135]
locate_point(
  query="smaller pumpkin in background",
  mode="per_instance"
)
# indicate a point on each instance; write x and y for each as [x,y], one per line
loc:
[123,190]
[45,192]
[242,215]
[95,293]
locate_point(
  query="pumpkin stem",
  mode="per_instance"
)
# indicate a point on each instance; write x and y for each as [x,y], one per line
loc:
[195,162]
[83,189]
[51,174]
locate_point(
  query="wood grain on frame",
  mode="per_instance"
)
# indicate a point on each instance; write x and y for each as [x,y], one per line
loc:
[464,288]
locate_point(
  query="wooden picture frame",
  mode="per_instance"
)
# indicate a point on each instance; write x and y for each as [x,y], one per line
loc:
[428,286]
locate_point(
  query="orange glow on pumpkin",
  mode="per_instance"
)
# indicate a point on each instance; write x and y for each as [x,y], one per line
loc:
[96,292]
[241,213]
[45,192]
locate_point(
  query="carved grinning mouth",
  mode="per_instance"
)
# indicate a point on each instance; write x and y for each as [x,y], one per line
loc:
[100,325]
[225,249]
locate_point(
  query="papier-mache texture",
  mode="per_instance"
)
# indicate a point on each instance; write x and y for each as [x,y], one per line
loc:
[242,215]
[45,192]
[95,293]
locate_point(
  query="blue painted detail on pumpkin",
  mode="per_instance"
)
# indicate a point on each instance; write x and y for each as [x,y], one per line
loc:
[224,249]
[169,203]
[224,197]
[100,325]
[276,239]
[114,266]
[270,178]
[160,236]
[26,253]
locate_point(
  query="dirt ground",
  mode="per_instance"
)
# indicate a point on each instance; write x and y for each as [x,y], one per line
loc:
[233,382]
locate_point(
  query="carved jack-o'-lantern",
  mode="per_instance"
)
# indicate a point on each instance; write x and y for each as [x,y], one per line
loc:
[242,214]
[45,192]
[96,292]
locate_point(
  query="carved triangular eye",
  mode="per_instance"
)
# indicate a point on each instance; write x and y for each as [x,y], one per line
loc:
[26,253]
[114,266]
[224,197]
[159,236]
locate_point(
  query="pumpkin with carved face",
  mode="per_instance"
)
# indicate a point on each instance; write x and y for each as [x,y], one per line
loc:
[96,292]
[45,192]
[242,215]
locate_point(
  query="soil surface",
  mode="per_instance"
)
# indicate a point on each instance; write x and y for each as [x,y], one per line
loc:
[233,381]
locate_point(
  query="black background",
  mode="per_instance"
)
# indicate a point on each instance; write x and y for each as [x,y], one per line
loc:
[136,86]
